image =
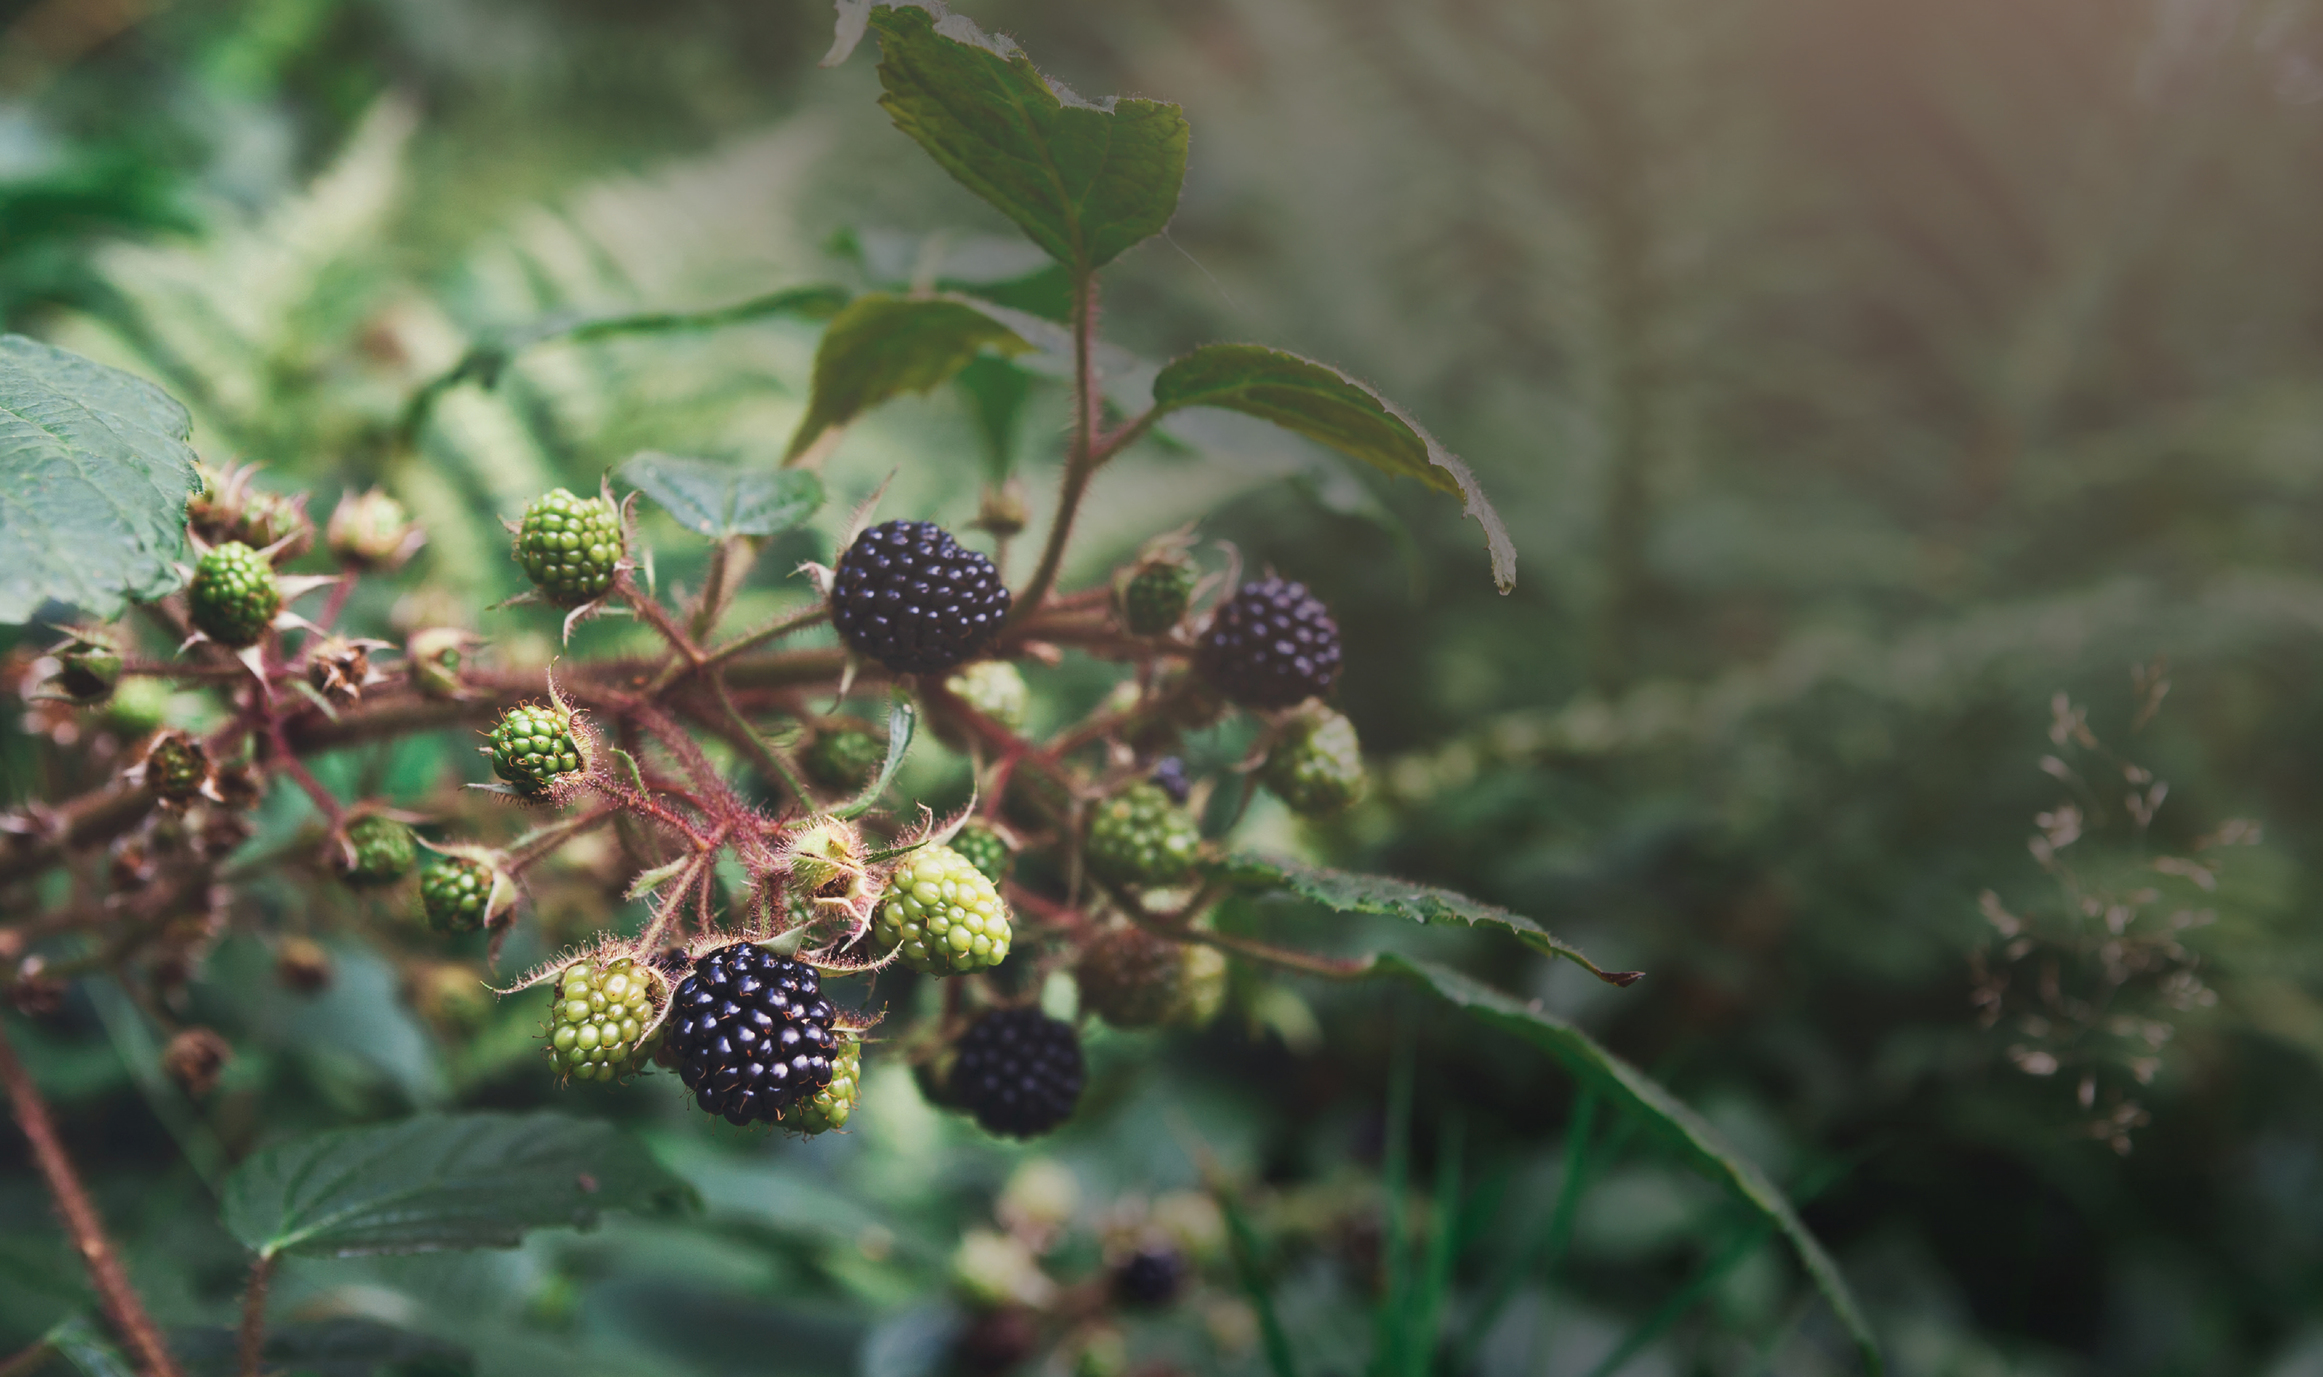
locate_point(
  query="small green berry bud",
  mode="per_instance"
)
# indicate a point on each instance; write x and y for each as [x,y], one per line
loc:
[87,671]
[176,767]
[372,531]
[434,657]
[1153,598]
[1140,838]
[994,688]
[985,849]
[570,546]
[534,746]
[844,758]
[456,894]
[1317,766]
[234,595]
[376,850]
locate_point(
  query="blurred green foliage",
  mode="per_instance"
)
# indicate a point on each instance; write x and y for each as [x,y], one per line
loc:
[1852,378]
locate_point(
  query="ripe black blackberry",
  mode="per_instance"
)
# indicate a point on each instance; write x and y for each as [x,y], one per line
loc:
[911,597]
[1149,1277]
[1170,774]
[1019,1072]
[751,1033]
[1271,645]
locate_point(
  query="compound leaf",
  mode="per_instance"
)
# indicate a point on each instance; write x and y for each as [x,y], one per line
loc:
[721,500]
[882,346]
[1325,405]
[1084,181]
[1659,1110]
[1344,891]
[94,476]
[439,1181]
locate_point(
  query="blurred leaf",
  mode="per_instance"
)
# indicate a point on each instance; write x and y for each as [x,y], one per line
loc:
[882,346]
[77,1342]
[901,722]
[996,391]
[1250,1273]
[94,476]
[1327,406]
[1640,1095]
[1083,181]
[1344,891]
[330,1348]
[721,500]
[438,1181]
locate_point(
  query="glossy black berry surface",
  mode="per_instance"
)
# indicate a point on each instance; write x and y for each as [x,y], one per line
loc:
[916,600]
[1019,1072]
[1149,1277]
[1271,645]
[752,1033]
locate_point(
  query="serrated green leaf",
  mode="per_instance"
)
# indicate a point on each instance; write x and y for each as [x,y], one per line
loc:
[1084,181]
[721,500]
[882,346]
[902,721]
[1325,405]
[1662,1113]
[94,476]
[439,1181]
[327,1348]
[77,1341]
[1345,891]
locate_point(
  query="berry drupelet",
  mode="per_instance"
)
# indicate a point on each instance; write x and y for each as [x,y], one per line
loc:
[911,597]
[1019,1072]
[1271,645]
[752,1034]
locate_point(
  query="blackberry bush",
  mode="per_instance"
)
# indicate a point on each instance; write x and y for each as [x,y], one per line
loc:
[1019,1072]
[752,1034]
[909,596]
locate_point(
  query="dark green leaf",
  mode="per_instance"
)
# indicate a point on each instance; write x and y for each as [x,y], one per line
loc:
[1344,891]
[1327,406]
[882,346]
[94,476]
[1662,1112]
[721,500]
[1083,181]
[77,1342]
[901,722]
[329,1348]
[438,1181]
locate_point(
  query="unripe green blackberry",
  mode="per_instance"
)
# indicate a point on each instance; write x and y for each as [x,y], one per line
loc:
[1131,978]
[456,894]
[834,1103]
[845,758]
[1139,837]
[377,851]
[994,688]
[534,746]
[86,671]
[138,706]
[945,914]
[176,767]
[234,595]
[985,849]
[1154,597]
[1317,766]
[599,1016]
[569,546]
[1201,987]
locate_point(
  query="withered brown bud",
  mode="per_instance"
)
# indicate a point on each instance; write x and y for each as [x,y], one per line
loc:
[195,1058]
[1001,510]
[339,669]
[301,964]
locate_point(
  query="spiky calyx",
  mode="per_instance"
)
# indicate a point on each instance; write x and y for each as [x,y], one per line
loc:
[455,894]
[752,1034]
[845,758]
[1154,596]
[994,688]
[372,531]
[908,595]
[230,507]
[598,1023]
[1271,645]
[834,1103]
[1131,978]
[944,913]
[376,850]
[984,848]
[532,747]
[1317,765]
[1019,1072]
[177,767]
[87,670]
[570,547]
[1138,837]
[234,595]
[340,669]
[434,656]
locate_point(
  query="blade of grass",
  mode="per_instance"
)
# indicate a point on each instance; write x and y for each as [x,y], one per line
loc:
[1389,1324]
[1525,1260]
[1248,1271]
[1443,1241]
[1673,1309]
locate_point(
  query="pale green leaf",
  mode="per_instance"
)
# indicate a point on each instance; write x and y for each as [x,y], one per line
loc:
[721,500]
[1344,891]
[882,346]
[1327,406]
[94,476]
[902,721]
[1661,1112]
[1084,181]
[439,1181]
